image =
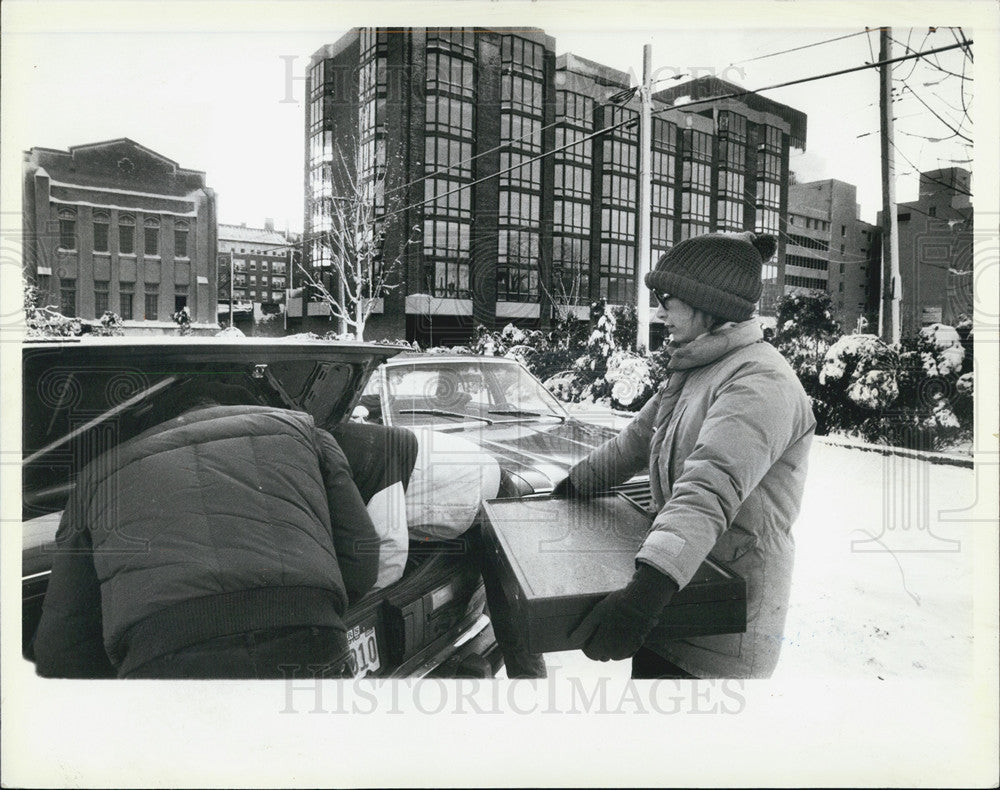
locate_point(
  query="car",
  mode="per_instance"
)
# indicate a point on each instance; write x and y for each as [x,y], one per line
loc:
[496,403]
[85,396]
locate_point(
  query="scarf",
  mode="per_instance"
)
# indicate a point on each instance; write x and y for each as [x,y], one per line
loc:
[703,350]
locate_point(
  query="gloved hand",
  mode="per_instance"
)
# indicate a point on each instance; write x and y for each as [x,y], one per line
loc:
[617,626]
[565,489]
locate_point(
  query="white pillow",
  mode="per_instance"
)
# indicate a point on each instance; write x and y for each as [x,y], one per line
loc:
[451,478]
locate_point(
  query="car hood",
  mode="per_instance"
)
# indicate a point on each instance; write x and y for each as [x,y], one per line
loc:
[540,452]
[81,398]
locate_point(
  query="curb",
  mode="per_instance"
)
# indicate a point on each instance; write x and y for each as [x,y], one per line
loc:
[945,459]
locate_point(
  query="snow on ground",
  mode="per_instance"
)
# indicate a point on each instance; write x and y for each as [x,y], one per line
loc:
[882,586]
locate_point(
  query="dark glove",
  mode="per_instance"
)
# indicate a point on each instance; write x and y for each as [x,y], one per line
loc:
[618,625]
[565,489]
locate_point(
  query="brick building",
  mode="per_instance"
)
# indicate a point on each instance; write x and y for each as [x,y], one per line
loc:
[115,226]
[261,265]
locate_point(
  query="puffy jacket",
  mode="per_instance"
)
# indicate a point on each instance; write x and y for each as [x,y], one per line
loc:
[216,522]
[726,442]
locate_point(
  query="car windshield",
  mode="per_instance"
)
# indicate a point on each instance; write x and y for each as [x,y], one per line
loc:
[483,391]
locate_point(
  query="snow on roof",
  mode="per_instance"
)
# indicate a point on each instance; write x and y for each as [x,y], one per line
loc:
[251,235]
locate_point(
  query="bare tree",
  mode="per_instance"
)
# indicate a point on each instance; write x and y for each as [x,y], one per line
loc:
[357,222]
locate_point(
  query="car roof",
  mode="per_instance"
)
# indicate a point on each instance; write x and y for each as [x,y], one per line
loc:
[175,341]
[451,356]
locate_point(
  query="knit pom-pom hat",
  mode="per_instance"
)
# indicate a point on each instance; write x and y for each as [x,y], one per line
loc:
[719,273]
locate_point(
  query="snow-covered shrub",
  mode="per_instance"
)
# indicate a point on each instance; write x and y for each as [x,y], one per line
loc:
[631,379]
[110,325]
[935,406]
[230,331]
[863,368]
[183,320]
[805,331]
[46,321]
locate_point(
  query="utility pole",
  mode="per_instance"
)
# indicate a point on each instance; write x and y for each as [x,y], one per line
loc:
[230,289]
[891,288]
[645,198]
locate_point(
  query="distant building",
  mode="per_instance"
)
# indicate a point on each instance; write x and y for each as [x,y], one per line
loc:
[261,260]
[936,249]
[829,248]
[458,121]
[115,226]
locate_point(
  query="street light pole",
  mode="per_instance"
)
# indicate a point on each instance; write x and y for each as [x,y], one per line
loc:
[645,199]
[231,274]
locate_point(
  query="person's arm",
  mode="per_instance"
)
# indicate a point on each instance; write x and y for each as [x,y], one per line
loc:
[752,421]
[618,459]
[354,537]
[69,642]
[747,428]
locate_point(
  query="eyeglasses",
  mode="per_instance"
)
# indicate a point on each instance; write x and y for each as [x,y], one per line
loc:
[662,298]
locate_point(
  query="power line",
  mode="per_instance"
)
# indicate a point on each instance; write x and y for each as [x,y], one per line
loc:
[803,80]
[931,110]
[868,38]
[953,187]
[626,122]
[937,65]
[682,108]
[804,46]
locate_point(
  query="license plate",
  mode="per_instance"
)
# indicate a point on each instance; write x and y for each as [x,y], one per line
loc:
[364,650]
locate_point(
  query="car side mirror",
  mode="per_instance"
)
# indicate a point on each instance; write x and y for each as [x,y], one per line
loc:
[360,414]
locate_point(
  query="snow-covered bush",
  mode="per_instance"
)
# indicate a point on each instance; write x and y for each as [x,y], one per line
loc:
[110,325]
[631,379]
[935,406]
[183,320]
[230,331]
[863,368]
[46,321]
[805,331]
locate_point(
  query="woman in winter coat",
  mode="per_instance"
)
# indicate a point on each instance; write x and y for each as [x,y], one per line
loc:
[726,441]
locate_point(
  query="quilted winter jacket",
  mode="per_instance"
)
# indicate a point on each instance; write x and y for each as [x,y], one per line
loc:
[726,442]
[216,522]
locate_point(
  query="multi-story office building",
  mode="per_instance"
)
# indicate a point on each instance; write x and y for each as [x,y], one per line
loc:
[936,250]
[116,226]
[829,248]
[261,261]
[450,130]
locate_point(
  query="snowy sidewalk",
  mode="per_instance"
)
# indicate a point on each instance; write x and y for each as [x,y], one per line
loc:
[883,578]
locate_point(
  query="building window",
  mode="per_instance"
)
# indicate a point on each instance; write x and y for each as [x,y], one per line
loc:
[126,234]
[181,240]
[67,298]
[152,299]
[808,243]
[67,229]
[843,230]
[180,297]
[151,236]
[125,300]
[446,248]
[102,224]
[101,297]
[932,211]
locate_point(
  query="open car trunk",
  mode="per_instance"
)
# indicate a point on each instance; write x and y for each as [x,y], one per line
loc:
[83,398]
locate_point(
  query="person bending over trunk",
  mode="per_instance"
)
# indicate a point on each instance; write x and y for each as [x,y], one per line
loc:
[223,542]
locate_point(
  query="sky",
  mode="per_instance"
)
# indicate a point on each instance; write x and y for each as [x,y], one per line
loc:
[220,90]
